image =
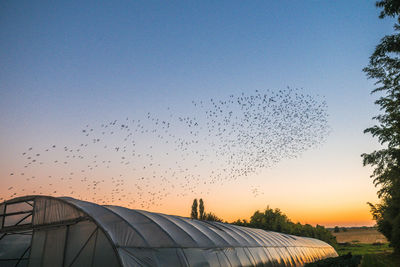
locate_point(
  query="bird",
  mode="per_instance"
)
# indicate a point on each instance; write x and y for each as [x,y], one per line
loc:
[157,156]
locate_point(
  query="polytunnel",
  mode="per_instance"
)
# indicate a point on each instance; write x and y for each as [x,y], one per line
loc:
[63,231]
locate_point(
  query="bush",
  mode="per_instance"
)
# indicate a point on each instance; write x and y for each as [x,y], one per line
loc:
[342,261]
[275,220]
[211,217]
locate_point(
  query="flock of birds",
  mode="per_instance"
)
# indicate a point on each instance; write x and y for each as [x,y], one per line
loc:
[142,161]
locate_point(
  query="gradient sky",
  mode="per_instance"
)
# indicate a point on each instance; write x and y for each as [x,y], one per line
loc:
[67,64]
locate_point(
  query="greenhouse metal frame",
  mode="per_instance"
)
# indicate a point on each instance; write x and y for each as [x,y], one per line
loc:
[62,231]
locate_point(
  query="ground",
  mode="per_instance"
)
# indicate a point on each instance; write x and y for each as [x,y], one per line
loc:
[360,235]
[369,243]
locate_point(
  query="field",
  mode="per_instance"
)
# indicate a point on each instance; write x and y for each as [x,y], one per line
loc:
[370,244]
[360,235]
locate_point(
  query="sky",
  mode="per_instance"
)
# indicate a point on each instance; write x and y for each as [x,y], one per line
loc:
[66,65]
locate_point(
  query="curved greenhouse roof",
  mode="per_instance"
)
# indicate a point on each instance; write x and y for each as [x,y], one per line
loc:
[63,231]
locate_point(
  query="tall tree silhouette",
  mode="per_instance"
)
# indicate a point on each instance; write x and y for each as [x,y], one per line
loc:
[201,209]
[194,213]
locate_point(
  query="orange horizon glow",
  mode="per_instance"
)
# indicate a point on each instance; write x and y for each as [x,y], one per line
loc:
[342,217]
[332,203]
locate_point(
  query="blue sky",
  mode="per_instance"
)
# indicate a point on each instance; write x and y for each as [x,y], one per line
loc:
[66,64]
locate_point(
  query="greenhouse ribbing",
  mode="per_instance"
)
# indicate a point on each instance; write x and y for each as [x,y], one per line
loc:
[63,231]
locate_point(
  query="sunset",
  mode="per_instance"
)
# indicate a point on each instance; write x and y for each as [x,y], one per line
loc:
[150,105]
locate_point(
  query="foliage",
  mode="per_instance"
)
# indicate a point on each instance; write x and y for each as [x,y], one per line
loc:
[341,261]
[336,229]
[275,220]
[390,8]
[201,209]
[204,216]
[194,213]
[384,67]
[378,260]
[211,217]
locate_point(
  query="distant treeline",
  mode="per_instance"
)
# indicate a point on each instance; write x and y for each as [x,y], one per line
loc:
[270,220]
[275,220]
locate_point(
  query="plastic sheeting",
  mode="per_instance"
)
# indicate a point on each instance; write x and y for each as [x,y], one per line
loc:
[59,235]
[49,210]
[70,232]
[152,238]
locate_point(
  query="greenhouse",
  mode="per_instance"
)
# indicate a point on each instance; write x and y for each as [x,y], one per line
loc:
[63,231]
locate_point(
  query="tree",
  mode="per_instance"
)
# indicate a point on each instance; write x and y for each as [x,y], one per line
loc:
[384,67]
[336,229]
[202,215]
[201,209]
[194,213]
[272,220]
[276,220]
[212,217]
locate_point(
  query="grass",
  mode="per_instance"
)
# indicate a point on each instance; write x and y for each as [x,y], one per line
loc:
[368,243]
[385,260]
[363,249]
[374,255]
